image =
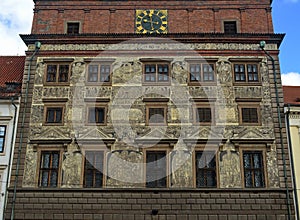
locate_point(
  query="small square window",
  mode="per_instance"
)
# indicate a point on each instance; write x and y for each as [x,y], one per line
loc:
[156,115]
[230,27]
[249,115]
[49,168]
[54,115]
[99,73]
[57,73]
[253,169]
[73,28]
[156,72]
[204,115]
[96,115]
[2,137]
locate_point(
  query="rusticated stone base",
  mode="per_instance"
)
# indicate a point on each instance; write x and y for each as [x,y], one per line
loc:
[143,204]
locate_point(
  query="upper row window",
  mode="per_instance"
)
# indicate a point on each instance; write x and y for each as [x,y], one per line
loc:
[154,73]
[2,137]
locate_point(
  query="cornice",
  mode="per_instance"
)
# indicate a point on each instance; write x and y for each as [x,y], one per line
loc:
[113,38]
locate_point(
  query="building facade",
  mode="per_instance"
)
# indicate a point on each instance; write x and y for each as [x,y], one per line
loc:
[151,110]
[292,113]
[11,75]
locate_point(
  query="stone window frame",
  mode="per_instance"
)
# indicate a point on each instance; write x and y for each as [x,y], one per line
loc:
[54,105]
[96,105]
[156,82]
[99,63]
[246,81]
[216,156]
[4,137]
[253,104]
[257,148]
[57,82]
[94,148]
[201,63]
[160,103]
[230,20]
[72,22]
[158,148]
[39,161]
[204,103]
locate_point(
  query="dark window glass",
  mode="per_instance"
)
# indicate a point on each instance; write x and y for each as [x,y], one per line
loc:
[93,169]
[2,138]
[156,170]
[205,169]
[54,115]
[202,72]
[230,27]
[49,166]
[156,115]
[204,115]
[73,28]
[253,169]
[156,73]
[99,73]
[57,73]
[249,115]
[96,115]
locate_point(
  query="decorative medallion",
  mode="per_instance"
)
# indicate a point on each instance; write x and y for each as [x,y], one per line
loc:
[151,21]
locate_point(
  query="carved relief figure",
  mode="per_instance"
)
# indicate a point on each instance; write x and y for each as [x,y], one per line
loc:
[40,70]
[30,167]
[230,171]
[272,166]
[224,70]
[181,169]
[179,73]
[71,167]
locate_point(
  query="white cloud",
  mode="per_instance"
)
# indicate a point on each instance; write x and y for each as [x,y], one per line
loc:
[15,19]
[291,79]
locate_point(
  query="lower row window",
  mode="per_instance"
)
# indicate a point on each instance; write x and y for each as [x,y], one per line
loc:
[156,169]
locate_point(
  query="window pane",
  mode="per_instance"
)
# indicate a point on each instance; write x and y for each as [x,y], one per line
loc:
[51,73]
[73,28]
[100,115]
[249,115]
[239,72]
[44,181]
[93,73]
[46,160]
[58,115]
[53,179]
[252,72]
[195,72]
[230,27]
[105,73]
[49,169]
[92,115]
[156,115]
[1,145]
[93,168]
[253,169]
[205,169]
[63,73]
[156,169]
[2,131]
[208,72]
[204,115]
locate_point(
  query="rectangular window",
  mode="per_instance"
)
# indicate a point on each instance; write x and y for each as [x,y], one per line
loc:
[73,28]
[230,27]
[49,168]
[156,115]
[204,115]
[2,137]
[93,169]
[54,115]
[246,73]
[156,72]
[57,73]
[156,169]
[205,169]
[96,115]
[99,73]
[253,169]
[249,115]
[202,72]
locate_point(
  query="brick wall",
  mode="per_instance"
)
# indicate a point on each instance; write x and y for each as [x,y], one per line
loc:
[183,16]
[141,204]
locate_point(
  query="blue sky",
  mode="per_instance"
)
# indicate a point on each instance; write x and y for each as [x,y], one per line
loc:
[17,19]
